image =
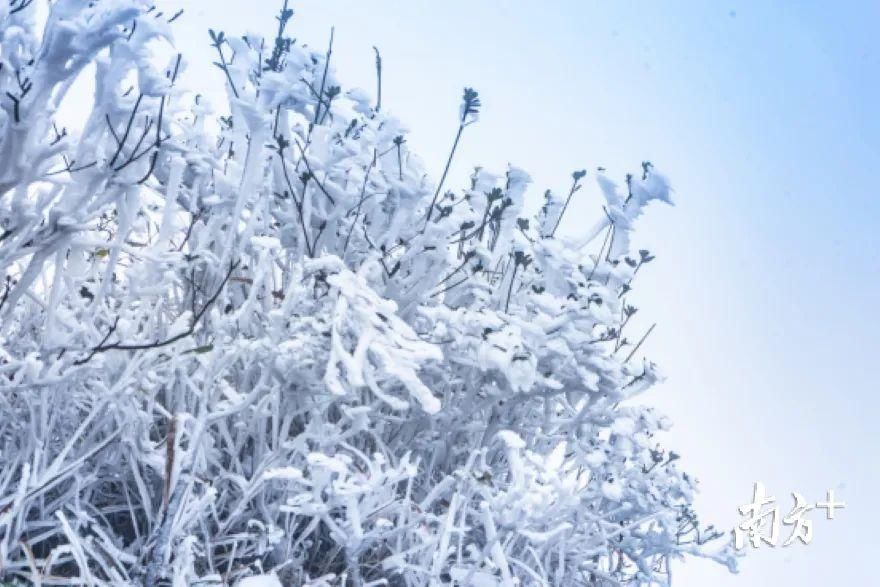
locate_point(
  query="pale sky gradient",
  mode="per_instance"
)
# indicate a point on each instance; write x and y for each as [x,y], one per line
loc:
[764,116]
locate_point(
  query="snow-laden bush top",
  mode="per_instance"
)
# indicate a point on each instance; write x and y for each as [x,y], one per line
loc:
[279,348]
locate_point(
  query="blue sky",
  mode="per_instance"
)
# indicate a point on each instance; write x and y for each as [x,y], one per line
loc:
[764,116]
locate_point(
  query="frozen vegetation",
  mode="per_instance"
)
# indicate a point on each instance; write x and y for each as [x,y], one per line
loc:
[256,345]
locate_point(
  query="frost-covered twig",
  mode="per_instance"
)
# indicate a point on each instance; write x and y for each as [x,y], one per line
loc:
[331,371]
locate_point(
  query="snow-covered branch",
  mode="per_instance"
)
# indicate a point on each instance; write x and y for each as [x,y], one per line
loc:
[277,348]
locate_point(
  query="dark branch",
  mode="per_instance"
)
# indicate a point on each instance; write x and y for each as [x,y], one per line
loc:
[120,346]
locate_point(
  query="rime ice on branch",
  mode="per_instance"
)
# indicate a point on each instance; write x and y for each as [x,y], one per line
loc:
[278,349]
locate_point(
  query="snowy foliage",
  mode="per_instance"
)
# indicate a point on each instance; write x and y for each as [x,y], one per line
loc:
[262,348]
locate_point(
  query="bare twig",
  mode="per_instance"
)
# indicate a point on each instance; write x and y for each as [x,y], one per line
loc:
[639,344]
[324,78]
[119,346]
[378,79]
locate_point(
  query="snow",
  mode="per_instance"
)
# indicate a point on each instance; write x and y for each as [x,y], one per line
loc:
[286,473]
[612,490]
[267,348]
[511,439]
[270,580]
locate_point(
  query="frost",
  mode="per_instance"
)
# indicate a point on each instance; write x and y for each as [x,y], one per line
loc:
[612,490]
[286,473]
[264,348]
[623,426]
[270,580]
[511,439]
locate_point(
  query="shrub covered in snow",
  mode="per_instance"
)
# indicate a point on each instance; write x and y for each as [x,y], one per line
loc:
[265,348]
